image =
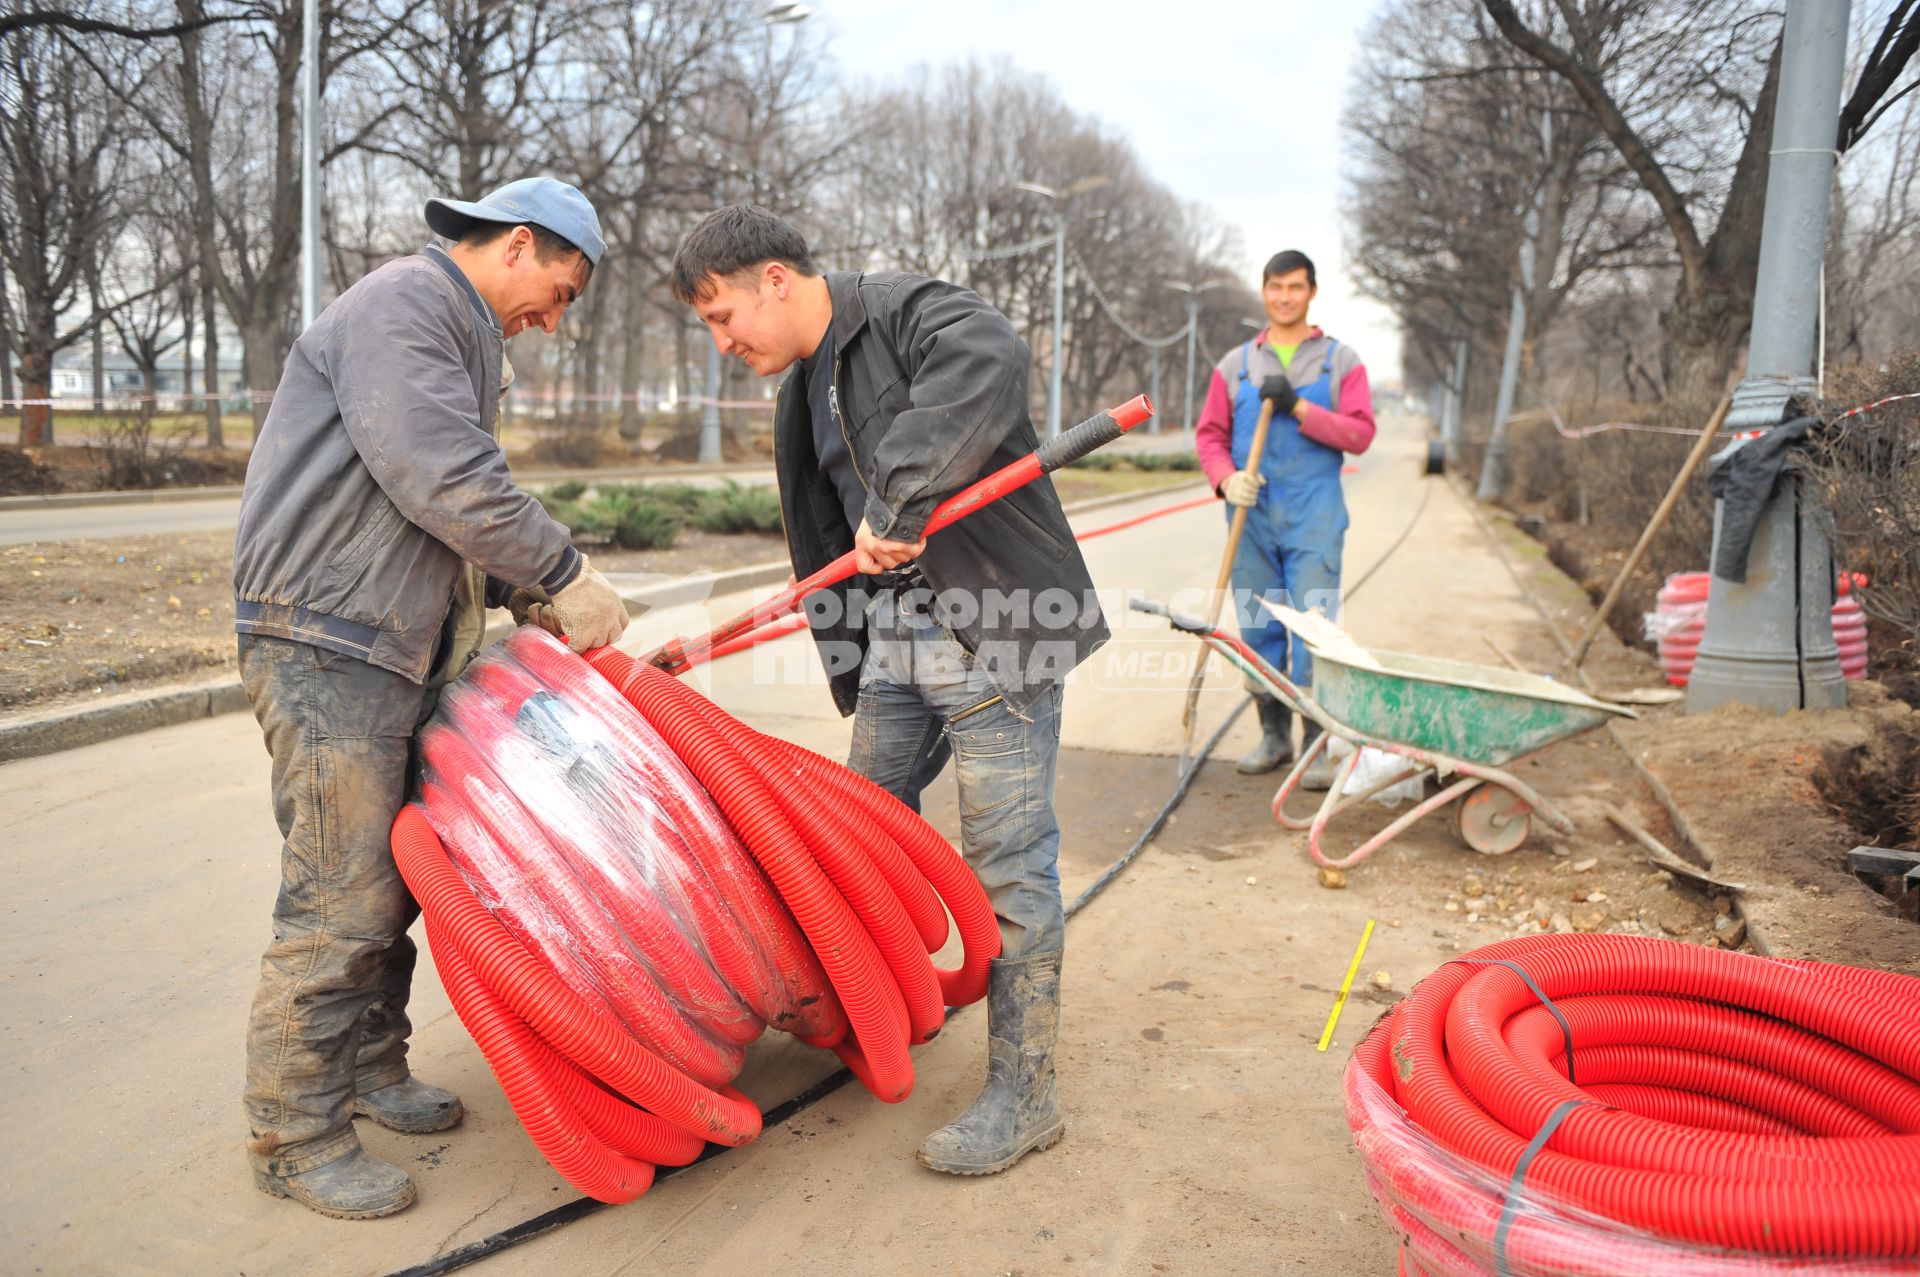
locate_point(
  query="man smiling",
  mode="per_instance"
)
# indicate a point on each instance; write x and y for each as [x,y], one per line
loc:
[1290,549]
[377,512]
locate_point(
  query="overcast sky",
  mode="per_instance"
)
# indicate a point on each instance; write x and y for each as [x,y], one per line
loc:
[1237,106]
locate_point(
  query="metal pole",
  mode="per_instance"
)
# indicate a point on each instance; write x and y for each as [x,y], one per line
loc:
[310,164]
[1193,327]
[1153,385]
[710,410]
[1059,306]
[1769,640]
[1456,400]
[1493,467]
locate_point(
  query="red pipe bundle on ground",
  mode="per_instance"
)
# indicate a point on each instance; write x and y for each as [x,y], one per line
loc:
[623,886]
[1717,1114]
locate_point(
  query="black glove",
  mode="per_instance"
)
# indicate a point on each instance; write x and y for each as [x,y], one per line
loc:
[1280,392]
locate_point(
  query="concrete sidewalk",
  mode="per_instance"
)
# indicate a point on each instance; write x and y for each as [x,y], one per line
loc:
[1206,1134]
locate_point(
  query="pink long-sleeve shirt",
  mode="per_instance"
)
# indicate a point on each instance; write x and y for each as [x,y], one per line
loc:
[1348,427]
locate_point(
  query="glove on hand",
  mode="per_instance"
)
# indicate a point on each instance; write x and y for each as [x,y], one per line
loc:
[1242,487]
[526,603]
[588,611]
[1281,392]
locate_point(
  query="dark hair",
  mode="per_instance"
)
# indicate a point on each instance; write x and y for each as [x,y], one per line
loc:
[732,241]
[1286,263]
[547,246]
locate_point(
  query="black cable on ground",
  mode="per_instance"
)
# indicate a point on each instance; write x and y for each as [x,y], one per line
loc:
[581,1207]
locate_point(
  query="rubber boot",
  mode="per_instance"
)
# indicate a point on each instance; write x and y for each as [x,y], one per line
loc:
[1319,774]
[411,1106]
[1276,738]
[1019,1111]
[357,1186]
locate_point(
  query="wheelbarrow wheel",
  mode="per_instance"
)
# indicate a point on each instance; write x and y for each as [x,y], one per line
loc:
[1491,820]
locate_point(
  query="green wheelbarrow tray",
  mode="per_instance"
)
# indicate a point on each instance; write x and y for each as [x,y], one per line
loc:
[1459,723]
[1474,712]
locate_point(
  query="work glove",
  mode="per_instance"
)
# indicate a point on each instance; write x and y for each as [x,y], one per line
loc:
[1242,487]
[588,611]
[1281,392]
[526,604]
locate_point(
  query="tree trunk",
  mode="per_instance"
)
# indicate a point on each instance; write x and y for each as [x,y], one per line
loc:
[206,246]
[36,387]
[1704,335]
[632,358]
[149,369]
[6,347]
[98,340]
[1709,318]
[210,364]
[262,360]
[186,352]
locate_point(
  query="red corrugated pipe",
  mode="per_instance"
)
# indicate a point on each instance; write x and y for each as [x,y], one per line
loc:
[1706,1113]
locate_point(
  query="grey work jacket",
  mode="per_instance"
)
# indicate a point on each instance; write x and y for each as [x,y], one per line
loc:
[376,474]
[930,393]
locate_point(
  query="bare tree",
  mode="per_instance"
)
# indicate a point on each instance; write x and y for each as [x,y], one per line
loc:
[151,264]
[64,141]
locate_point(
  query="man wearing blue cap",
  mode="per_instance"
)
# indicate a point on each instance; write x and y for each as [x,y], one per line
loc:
[378,519]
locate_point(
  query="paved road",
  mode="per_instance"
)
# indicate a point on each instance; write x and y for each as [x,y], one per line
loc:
[141,870]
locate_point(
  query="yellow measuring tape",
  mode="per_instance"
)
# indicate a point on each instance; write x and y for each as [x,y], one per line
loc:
[1341,1001]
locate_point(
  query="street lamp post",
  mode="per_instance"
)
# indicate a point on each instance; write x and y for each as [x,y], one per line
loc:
[1193,292]
[1059,198]
[310,164]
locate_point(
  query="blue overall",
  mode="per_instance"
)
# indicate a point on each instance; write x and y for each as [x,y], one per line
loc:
[1290,548]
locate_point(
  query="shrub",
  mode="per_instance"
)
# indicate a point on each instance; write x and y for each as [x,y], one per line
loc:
[732,508]
[1164,461]
[1866,471]
[684,497]
[568,490]
[639,524]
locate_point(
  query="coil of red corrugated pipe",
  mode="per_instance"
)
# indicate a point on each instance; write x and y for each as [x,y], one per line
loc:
[1721,1113]
[1682,607]
[614,1042]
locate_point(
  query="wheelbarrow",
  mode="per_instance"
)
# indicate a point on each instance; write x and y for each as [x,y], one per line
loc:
[1460,723]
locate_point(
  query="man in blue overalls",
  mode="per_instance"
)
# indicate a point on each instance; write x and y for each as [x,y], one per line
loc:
[1297,518]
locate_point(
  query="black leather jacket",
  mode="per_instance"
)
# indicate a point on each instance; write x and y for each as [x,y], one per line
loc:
[930,383]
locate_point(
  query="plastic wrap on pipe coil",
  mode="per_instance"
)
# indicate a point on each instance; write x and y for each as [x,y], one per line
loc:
[629,944]
[1736,1116]
[1679,621]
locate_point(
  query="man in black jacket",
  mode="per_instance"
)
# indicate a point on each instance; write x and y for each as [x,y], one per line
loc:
[905,390]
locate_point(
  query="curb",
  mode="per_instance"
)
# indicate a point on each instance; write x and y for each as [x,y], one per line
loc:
[57,730]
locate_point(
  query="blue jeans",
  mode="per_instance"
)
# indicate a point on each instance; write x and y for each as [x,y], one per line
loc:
[330,1013]
[1291,575]
[921,702]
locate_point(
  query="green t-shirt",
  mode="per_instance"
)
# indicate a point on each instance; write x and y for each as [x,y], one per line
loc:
[1286,353]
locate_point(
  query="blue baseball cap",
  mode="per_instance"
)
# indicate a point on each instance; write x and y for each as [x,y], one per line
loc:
[542,201]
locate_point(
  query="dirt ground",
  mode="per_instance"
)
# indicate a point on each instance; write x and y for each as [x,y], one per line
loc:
[1772,801]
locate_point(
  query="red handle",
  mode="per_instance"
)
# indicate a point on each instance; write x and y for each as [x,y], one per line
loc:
[677,655]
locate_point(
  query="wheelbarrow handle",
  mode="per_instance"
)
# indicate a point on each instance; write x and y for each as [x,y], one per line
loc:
[1178,620]
[677,655]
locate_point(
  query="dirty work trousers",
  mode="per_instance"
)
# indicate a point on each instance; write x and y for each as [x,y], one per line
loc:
[330,1015]
[922,702]
[1299,577]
